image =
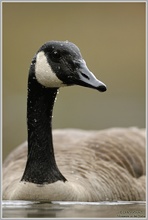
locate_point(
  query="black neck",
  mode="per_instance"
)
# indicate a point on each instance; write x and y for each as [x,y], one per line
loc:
[41,165]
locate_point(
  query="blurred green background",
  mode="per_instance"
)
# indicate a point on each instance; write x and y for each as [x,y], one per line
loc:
[111,37]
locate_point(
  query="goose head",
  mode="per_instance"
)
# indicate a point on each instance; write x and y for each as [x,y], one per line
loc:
[60,63]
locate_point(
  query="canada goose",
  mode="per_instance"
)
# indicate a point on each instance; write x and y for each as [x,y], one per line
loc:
[93,165]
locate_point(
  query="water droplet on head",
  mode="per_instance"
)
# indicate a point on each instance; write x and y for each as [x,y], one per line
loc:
[69,77]
[55,100]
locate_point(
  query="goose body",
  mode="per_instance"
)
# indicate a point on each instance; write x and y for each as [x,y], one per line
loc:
[83,165]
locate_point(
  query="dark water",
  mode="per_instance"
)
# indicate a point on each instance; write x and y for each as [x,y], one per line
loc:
[27,209]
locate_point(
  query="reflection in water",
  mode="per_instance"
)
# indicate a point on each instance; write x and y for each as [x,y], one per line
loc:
[27,209]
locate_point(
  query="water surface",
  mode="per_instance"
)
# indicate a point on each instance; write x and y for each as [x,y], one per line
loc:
[58,209]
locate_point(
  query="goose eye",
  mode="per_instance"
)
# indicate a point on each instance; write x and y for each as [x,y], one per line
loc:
[55,55]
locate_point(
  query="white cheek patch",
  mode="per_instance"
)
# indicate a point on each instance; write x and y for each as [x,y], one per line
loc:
[44,73]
